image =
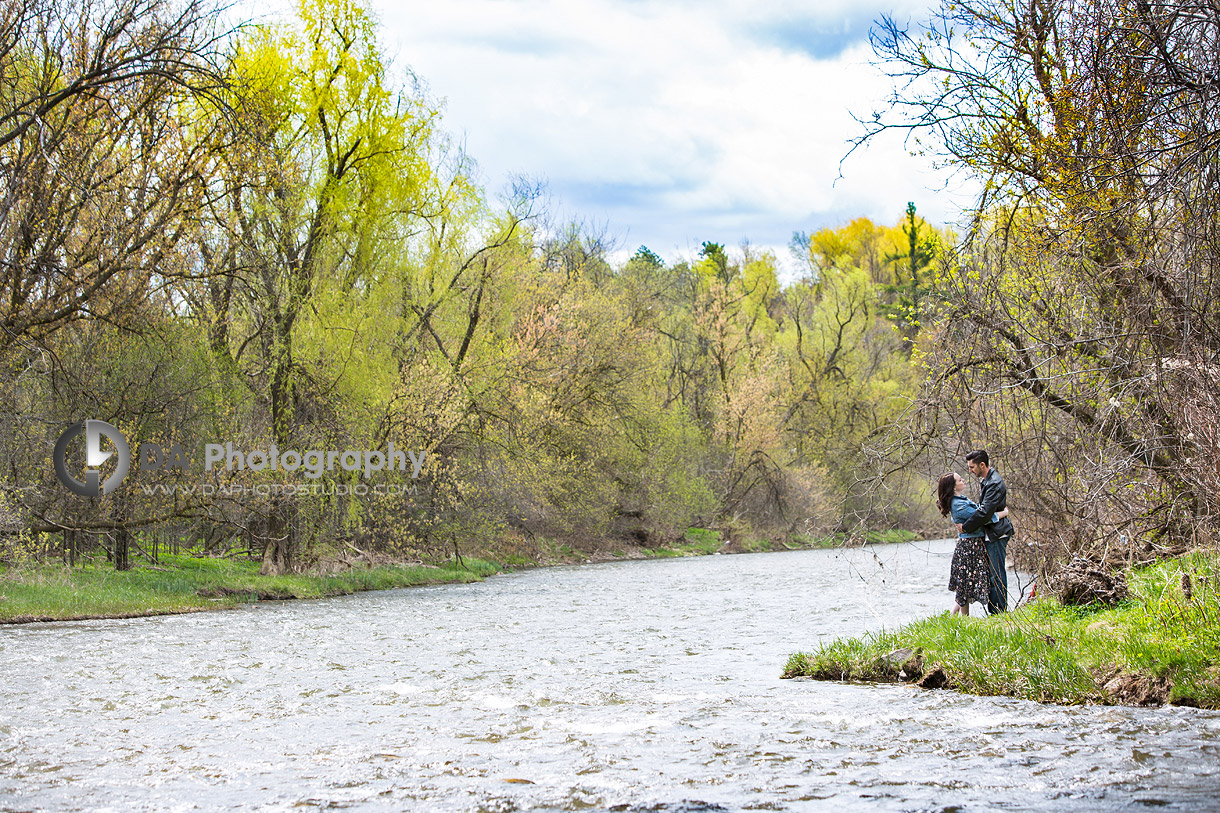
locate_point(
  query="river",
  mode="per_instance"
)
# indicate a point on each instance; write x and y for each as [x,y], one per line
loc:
[638,686]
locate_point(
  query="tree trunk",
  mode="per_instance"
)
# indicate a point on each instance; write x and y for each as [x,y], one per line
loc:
[69,549]
[279,554]
[122,549]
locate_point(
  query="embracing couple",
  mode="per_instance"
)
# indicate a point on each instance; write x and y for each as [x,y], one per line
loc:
[977,572]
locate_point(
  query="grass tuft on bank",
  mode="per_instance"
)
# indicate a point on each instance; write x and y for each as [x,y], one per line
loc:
[1162,645]
[183,583]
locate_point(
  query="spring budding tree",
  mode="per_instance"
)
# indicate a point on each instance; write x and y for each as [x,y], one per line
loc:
[98,160]
[1075,333]
[333,170]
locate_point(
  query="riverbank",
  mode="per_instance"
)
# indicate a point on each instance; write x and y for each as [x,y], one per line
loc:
[185,583]
[1161,645]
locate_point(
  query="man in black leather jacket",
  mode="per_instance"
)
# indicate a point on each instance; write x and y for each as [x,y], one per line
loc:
[993,498]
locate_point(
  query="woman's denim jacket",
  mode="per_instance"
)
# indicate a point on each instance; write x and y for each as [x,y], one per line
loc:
[962,509]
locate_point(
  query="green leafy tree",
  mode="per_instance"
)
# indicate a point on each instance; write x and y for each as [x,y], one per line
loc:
[330,177]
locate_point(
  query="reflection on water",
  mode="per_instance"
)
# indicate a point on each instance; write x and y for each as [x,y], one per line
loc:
[630,686]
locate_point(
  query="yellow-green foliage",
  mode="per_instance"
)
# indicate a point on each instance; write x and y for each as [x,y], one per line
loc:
[335,279]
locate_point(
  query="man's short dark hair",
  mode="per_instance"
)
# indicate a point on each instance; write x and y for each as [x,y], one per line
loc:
[978,456]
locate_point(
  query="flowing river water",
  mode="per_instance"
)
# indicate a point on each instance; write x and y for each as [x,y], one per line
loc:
[632,686]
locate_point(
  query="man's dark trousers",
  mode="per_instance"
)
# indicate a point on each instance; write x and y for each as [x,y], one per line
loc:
[997,593]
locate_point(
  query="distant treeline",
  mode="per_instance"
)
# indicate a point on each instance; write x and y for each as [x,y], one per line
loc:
[257,236]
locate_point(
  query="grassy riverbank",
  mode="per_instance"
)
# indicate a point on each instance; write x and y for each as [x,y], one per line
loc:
[1161,645]
[192,583]
[180,584]
[699,542]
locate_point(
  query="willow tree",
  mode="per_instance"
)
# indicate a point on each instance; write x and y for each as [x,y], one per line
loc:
[329,178]
[1076,334]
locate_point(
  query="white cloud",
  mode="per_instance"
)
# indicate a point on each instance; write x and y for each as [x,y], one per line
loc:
[674,122]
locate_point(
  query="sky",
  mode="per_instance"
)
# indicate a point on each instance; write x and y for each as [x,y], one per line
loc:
[671,123]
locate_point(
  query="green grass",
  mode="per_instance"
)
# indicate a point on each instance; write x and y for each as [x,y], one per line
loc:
[889,537]
[516,560]
[188,583]
[1158,646]
[838,540]
[698,542]
[701,541]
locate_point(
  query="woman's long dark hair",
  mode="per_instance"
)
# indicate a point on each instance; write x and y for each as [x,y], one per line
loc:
[945,487]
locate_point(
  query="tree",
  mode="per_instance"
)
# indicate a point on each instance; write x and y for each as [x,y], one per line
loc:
[918,255]
[97,162]
[332,177]
[845,370]
[1083,293]
[100,153]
